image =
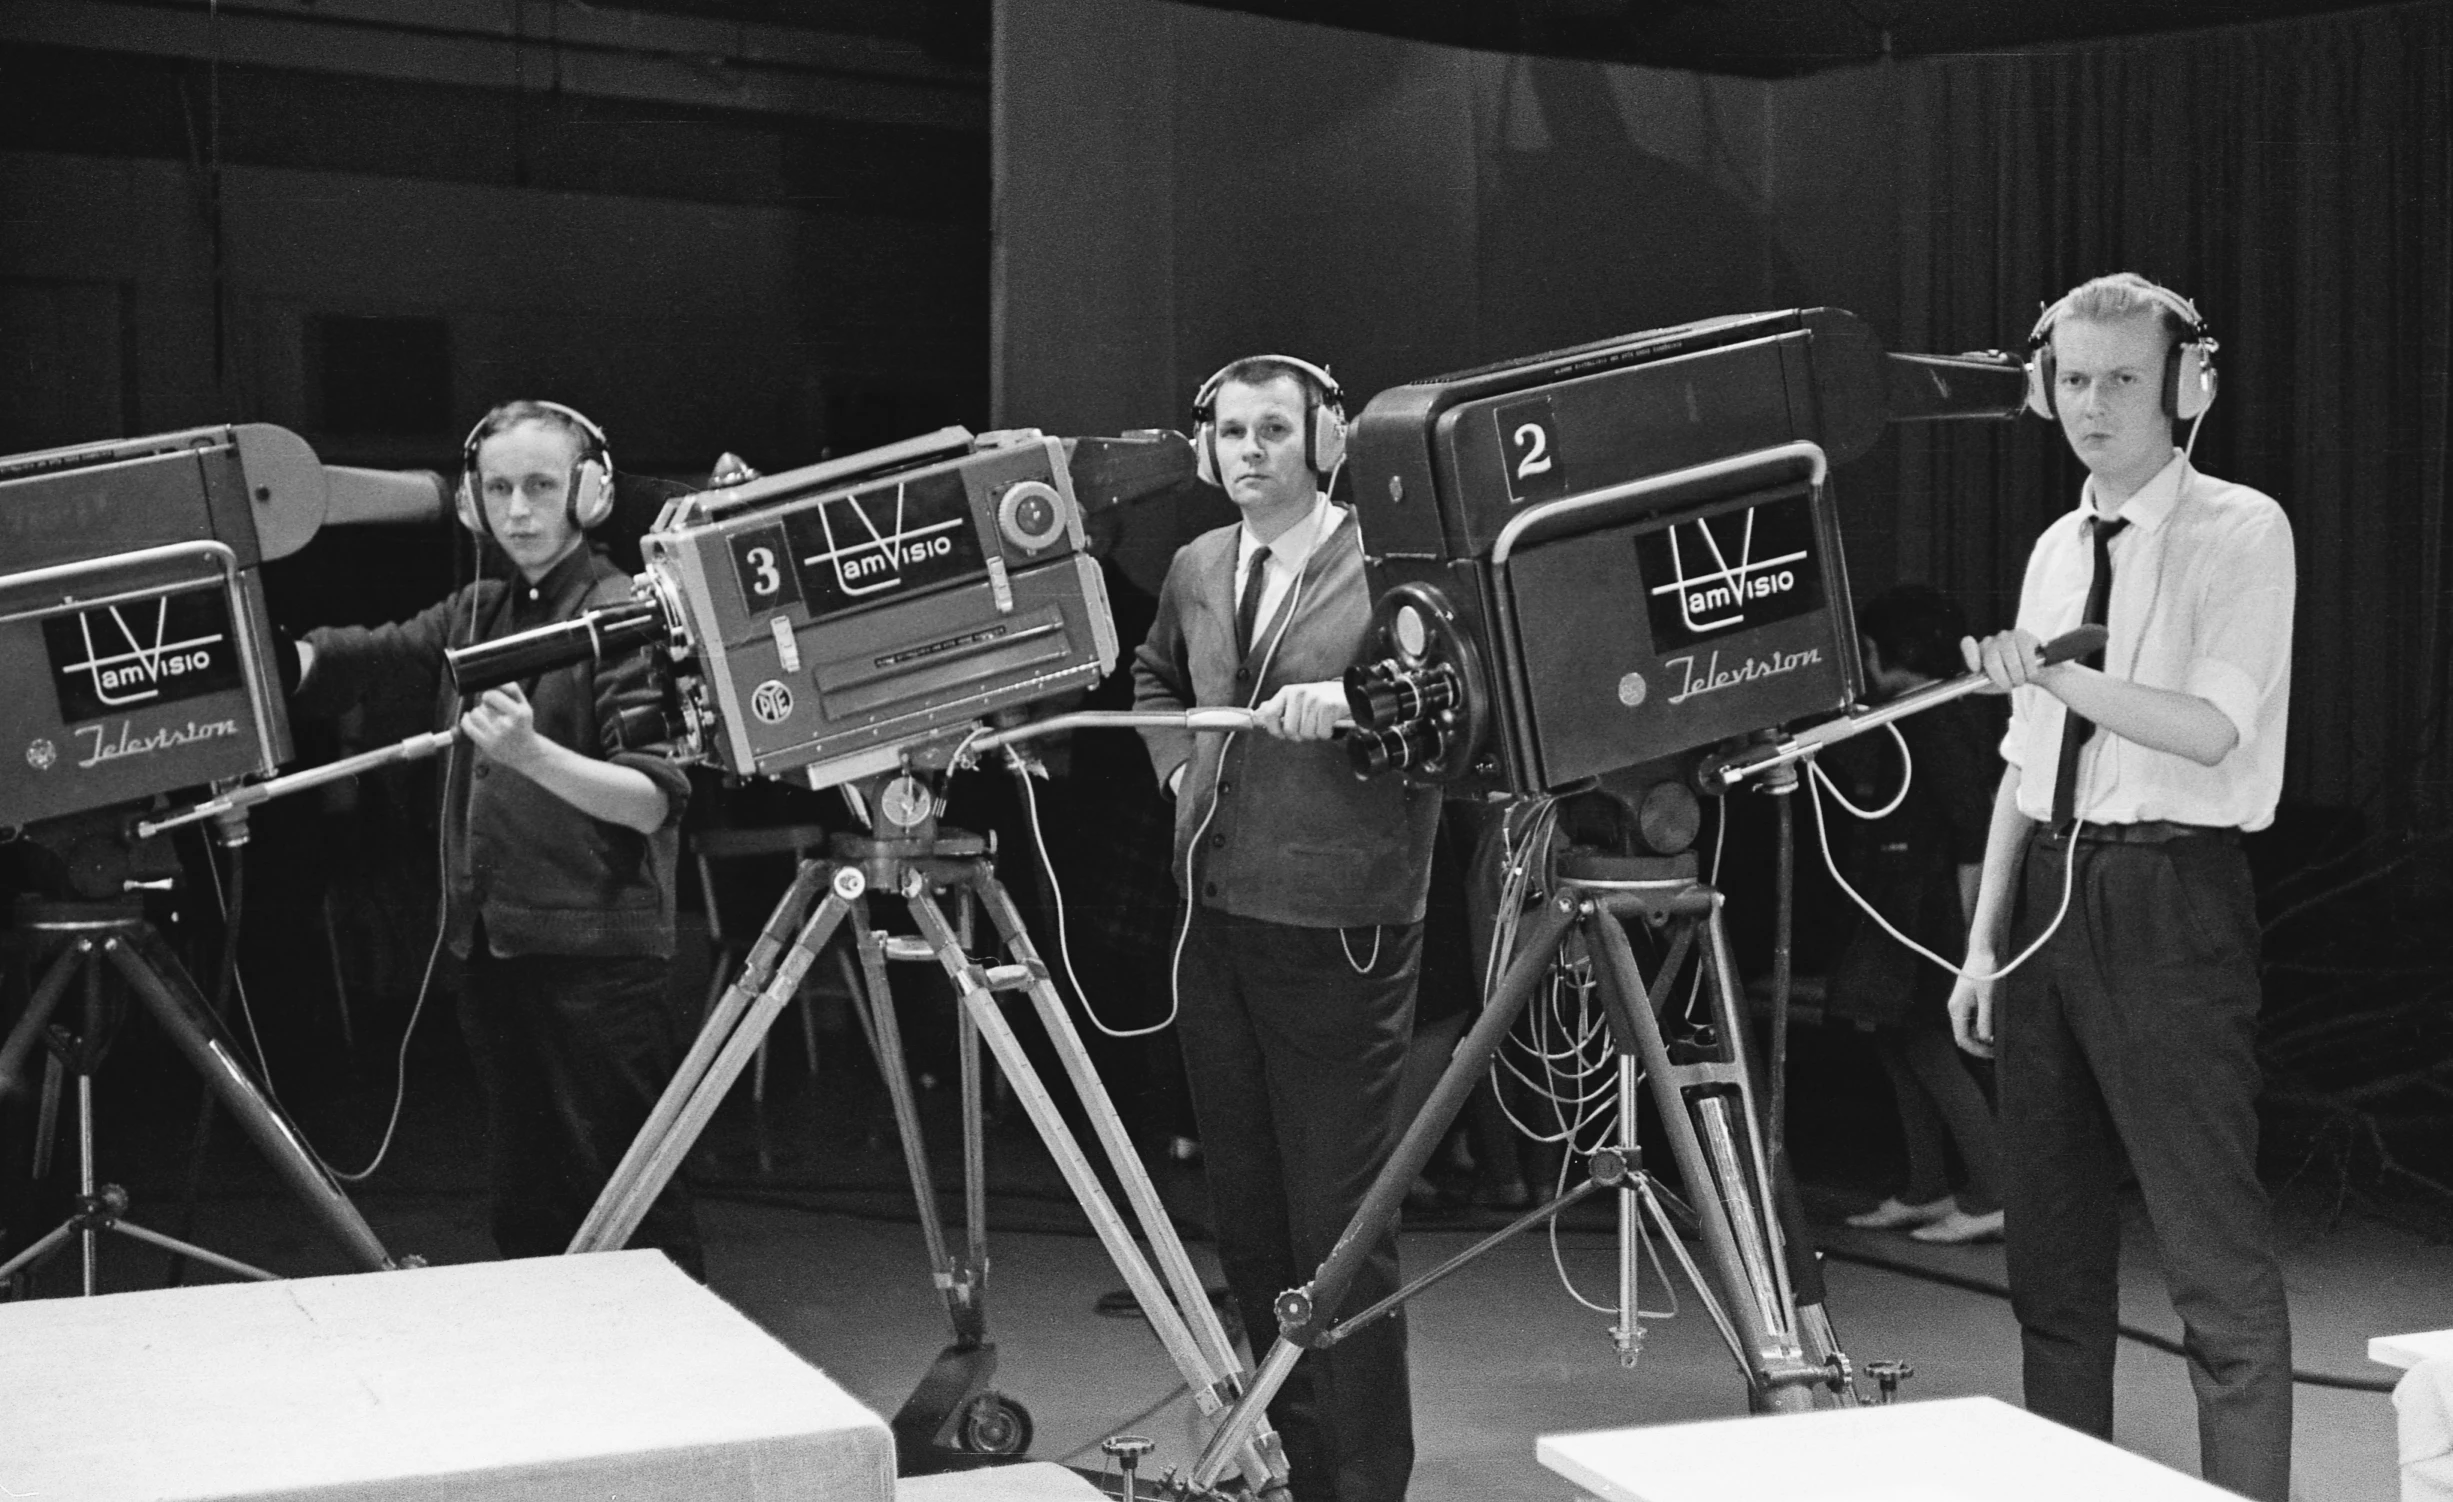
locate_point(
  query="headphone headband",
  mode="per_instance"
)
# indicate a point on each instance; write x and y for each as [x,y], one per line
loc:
[600,447]
[2194,330]
[1325,390]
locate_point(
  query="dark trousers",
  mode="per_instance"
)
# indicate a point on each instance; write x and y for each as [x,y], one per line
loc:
[1294,1060]
[571,1053]
[1939,1102]
[2133,1033]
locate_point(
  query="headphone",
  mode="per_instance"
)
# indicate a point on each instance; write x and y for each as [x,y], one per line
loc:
[2188,372]
[1324,437]
[591,486]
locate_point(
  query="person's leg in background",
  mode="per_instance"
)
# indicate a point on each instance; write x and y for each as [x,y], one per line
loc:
[1921,1130]
[1958,1105]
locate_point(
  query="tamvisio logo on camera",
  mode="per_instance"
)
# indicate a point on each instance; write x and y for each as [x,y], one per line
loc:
[851,550]
[135,656]
[1711,577]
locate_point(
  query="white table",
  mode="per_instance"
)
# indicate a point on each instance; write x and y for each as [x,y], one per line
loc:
[1948,1450]
[546,1379]
[2407,1351]
[2423,1409]
[1033,1481]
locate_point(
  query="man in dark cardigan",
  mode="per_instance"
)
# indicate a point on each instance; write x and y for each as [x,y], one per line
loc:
[1295,969]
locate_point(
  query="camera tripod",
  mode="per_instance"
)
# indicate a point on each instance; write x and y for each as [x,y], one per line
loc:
[96,942]
[953,1418]
[1763,1293]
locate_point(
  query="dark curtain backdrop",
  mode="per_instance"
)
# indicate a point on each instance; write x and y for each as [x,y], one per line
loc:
[2296,181]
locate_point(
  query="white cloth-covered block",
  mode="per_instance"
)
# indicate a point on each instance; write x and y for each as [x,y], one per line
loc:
[543,1380]
[1035,1481]
[2424,1401]
[1943,1450]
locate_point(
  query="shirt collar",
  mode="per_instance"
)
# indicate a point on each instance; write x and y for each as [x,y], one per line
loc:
[563,579]
[1294,545]
[2155,499]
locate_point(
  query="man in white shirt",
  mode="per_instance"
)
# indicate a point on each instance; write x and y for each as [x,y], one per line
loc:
[2131,1034]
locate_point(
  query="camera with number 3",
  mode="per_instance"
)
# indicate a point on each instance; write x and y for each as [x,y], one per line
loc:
[842,620]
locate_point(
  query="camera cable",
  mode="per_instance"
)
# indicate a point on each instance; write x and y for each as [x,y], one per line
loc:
[1819,782]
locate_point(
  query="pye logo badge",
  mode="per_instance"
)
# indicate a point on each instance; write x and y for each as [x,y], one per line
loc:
[771,701]
[40,754]
[1631,690]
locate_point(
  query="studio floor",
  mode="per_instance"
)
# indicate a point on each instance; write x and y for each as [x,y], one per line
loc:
[809,1232]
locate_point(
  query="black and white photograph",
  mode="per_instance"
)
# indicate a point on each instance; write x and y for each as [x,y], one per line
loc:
[1226,750]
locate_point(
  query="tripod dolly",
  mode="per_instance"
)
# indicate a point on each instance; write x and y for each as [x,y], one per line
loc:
[953,1418]
[1761,1291]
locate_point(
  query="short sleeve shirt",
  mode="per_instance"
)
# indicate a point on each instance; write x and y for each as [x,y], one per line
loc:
[2203,584]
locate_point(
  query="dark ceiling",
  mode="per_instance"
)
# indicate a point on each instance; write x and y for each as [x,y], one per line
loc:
[1762,38]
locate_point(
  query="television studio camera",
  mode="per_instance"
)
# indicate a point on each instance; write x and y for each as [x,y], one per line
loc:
[135,658]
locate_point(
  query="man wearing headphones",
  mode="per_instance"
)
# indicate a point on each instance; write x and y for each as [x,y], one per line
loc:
[558,845]
[1305,887]
[2130,1035]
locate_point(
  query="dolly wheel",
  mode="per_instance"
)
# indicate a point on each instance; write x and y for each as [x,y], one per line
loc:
[995,1424]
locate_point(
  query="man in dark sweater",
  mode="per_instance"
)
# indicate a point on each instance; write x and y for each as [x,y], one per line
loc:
[558,845]
[1295,968]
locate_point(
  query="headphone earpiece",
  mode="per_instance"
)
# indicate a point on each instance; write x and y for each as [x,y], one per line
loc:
[591,486]
[1328,440]
[591,494]
[1324,437]
[2189,380]
[2188,371]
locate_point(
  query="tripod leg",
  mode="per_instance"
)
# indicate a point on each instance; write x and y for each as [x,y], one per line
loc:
[687,1104]
[33,1256]
[1536,947]
[85,1156]
[977,989]
[974,1146]
[723,1017]
[188,1251]
[155,974]
[1191,1296]
[1628,1334]
[873,1003]
[29,1029]
[1706,1111]
[47,1116]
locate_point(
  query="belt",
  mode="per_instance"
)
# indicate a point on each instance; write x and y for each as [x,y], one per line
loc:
[2143,832]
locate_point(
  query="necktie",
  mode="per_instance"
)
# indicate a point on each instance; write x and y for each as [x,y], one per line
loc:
[1248,609]
[2076,728]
